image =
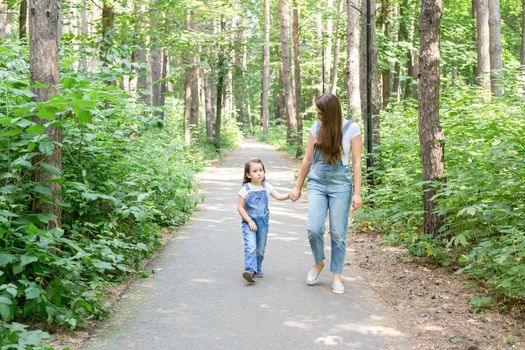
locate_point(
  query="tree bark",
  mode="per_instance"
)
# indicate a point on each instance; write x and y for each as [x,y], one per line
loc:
[431,137]
[286,61]
[297,85]
[482,30]
[265,96]
[352,59]
[155,63]
[220,90]
[3,19]
[335,64]
[328,36]
[374,74]
[208,103]
[523,34]
[22,20]
[163,84]
[496,63]
[44,69]
[84,34]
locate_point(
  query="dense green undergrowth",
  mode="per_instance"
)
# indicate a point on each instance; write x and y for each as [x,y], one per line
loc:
[482,203]
[125,175]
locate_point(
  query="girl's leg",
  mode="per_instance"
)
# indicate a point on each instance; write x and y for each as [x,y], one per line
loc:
[317,206]
[339,204]
[250,258]
[262,236]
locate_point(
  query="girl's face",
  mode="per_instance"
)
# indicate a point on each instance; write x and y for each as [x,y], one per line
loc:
[256,173]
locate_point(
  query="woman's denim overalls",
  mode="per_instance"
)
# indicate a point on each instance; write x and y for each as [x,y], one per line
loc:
[329,189]
[255,242]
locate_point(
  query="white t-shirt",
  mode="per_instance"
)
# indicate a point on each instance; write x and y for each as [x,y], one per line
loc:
[350,133]
[244,192]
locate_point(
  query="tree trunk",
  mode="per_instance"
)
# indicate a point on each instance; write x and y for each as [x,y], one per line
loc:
[297,85]
[496,64]
[208,102]
[482,30]
[156,68]
[265,96]
[286,61]
[84,34]
[352,59]
[108,19]
[3,19]
[336,47]
[431,137]
[163,84]
[373,76]
[523,34]
[22,20]
[386,73]
[44,69]
[328,36]
[220,90]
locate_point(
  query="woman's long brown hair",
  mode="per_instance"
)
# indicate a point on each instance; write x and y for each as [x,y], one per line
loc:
[330,136]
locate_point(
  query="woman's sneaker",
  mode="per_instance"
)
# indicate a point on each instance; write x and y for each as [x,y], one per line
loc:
[249,276]
[338,287]
[313,275]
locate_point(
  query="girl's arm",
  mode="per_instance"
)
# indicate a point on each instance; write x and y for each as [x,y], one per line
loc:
[280,197]
[242,212]
[356,168]
[305,168]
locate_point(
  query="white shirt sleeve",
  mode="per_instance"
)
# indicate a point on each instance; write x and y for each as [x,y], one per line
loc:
[315,128]
[269,188]
[243,192]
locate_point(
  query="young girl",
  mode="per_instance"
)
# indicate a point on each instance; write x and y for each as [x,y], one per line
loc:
[252,205]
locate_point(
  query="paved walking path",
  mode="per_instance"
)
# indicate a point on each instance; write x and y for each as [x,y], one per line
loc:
[200,301]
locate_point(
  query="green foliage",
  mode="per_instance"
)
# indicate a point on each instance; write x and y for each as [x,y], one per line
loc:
[125,175]
[484,218]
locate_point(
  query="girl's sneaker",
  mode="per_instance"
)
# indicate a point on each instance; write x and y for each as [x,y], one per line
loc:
[249,276]
[313,275]
[259,274]
[338,287]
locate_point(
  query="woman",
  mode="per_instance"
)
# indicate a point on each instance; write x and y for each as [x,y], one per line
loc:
[330,144]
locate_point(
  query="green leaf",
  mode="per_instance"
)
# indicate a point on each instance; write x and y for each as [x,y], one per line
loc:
[36,129]
[46,113]
[45,218]
[6,258]
[46,147]
[12,132]
[27,259]
[48,168]
[102,265]
[32,229]
[5,313]
[32,292]
[83,115]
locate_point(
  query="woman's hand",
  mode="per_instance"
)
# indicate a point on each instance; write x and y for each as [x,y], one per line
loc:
[252,225]
[356,202]
[295,194]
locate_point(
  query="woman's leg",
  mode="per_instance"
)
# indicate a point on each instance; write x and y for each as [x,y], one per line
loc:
[317,207]
[250,258]
[339,207]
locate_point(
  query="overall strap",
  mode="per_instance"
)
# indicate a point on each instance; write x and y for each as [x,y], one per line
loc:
[247,186]
[264,184]
[346,126]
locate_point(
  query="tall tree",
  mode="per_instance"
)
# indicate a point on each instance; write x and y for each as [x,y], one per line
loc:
[297,81]
[523,34]
[352,59]
[220,88]
[431,137]
[22,20]
[3,19]
[265,95]
[286,61]
[328,36]
[496,62]
[44,76]
[335,64]
[83,33]
[482,39]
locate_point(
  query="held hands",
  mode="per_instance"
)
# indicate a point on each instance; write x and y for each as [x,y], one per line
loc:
[295,194]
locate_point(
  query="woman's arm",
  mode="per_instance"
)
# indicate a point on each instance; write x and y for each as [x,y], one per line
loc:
[356,169]
[244,214]
[305,168]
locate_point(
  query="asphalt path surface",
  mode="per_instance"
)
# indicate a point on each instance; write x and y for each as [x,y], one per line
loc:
[199,300]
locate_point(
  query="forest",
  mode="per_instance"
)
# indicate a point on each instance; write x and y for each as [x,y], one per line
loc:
[108,109]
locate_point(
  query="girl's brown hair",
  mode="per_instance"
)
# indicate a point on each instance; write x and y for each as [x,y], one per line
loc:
[247,169]
[330,136]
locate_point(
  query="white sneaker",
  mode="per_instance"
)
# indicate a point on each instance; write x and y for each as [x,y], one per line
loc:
[313,275]
[338,287]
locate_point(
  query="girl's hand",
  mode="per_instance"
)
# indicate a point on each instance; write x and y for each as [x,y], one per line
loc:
[356,202]
[253,227]
[295,194]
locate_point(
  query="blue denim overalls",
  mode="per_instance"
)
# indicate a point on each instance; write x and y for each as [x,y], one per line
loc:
[256,204]
[329,189]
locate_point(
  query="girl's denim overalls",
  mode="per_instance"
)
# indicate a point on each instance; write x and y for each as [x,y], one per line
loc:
[256,204]
[329,189]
